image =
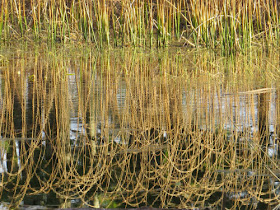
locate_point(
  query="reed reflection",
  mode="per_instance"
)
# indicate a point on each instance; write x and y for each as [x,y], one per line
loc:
[121,128]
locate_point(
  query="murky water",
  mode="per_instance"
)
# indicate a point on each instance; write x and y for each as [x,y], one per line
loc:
[130,127]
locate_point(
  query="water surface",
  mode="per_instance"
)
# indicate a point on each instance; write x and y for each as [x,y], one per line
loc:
[133,127]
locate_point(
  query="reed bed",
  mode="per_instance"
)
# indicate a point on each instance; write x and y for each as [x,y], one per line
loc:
[127,129]
[229,25]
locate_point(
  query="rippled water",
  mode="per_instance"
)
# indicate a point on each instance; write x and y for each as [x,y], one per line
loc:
[131,127]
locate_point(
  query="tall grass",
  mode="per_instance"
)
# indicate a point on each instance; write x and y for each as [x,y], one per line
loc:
[230,25]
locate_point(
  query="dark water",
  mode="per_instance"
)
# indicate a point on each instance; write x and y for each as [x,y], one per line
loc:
[168,128]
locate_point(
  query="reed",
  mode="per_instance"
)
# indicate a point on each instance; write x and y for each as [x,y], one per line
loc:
[229,25]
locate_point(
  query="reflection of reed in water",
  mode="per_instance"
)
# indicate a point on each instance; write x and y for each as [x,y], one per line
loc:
[135,132]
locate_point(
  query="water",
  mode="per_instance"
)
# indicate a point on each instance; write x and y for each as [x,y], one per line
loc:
[133,127]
